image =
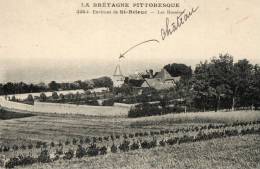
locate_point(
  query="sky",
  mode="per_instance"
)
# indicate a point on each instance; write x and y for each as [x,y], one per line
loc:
[46,40]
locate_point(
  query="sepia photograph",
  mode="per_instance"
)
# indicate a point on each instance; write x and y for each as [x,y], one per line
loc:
[144,84]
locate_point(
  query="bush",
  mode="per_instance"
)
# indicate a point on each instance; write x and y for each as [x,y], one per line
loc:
[94,139]
[15,147]
[52,144]
[124,146]
[59,151]
[145,109]
[108,102]
[113,148]
[134,146]
[100,139]
[68,155]
[67,142]
[106,138]
[81,141]
[92,150]
[145,144]
[44,156]
[60,144]
[26,160]
[87,140]
[162,143]
[80,152]
[12,162]
[23,147]
[131,136]
[74,141]
[30,146]
[172,141]
[103,150]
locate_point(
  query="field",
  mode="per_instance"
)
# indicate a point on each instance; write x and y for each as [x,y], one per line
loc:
[241,141]
[231,153]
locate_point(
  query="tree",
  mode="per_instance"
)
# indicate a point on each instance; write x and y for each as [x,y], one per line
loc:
[244,75]
[54,86]
[55,95]
[30,97]
[62,97]
[43,97]
[201,86]
[178,69]
[221,73]
[103,82]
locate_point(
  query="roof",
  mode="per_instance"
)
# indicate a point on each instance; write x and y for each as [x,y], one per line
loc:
[157,84]
[163,75]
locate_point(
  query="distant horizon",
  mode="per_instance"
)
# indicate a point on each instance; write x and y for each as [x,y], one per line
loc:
[70,79]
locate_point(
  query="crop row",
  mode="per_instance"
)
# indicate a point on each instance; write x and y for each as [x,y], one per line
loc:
[126,145]
[89,140]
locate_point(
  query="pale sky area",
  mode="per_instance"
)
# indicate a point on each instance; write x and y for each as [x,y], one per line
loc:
[44,40]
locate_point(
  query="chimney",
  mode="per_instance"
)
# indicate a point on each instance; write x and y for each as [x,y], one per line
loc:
[151,73]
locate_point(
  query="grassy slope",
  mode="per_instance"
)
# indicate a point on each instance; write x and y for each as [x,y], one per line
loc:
[6,114]
[51,127]
[232,153]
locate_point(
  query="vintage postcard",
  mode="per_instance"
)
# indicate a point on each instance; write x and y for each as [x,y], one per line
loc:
[166,84]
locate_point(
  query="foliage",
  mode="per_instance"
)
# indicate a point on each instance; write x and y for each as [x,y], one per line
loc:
[44,156]
[178,69]
[80,152]
[68,155]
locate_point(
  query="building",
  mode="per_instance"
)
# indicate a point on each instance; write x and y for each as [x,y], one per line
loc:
[161,80]
[118,78]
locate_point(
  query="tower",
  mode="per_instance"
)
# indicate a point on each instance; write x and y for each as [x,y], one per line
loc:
[118,78]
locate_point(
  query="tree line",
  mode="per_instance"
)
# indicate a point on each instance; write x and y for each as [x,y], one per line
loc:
[22,87]
[222,83]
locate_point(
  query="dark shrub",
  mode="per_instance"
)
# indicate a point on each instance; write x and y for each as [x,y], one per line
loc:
[112,137]
[80,152]
[68,155]
[125,136]
[15,147]
[103,150]
[87,140]
[92,150]
[113,148]
[59,151]
[6,148]
[44,157]
[153,143]
[94,139]
[146,134]
[74,141]
[67,142]
[124,146]
[134,146]
[100,139]
[30,146]
[145,144]
[162,143]
[60,144]
[108,102]
[23,147]
[12,162]
[131,136]
[81,141]
[38,144]
[172,141]
[52,144]
[106,138]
